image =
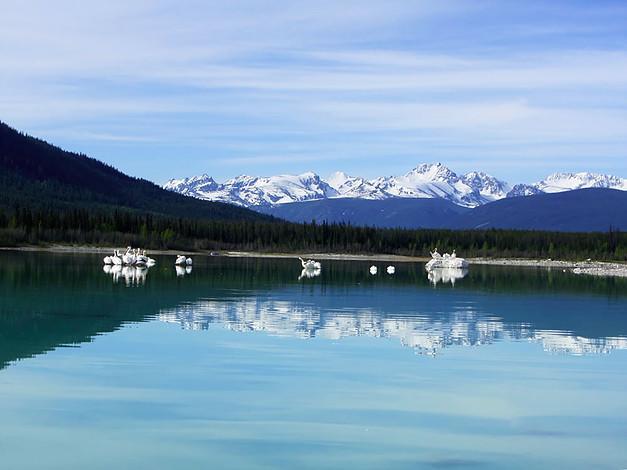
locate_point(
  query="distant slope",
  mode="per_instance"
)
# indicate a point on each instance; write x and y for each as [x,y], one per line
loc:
[582,210]
[34,173]
[396,212]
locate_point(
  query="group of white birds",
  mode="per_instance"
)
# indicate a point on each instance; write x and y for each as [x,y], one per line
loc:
[445,261]
[136,257]
[390,270]
[311,268]
[182,260]
[132,257]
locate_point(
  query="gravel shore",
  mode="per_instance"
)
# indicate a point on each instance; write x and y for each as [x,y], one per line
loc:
[594,268]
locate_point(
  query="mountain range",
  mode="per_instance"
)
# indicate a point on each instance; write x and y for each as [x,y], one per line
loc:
[37,175]
[426,181]
[429,196]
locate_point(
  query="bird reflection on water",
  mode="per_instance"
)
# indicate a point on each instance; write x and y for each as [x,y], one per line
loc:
[182,271]
[446,275]
[132,275]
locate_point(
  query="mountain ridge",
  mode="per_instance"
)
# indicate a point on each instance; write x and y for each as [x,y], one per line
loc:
[579,210]
[425,181]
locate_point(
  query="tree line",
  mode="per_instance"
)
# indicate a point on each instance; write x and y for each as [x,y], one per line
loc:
[23,225]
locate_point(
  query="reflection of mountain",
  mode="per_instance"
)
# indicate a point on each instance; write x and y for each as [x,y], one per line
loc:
[51,300]
[427,334]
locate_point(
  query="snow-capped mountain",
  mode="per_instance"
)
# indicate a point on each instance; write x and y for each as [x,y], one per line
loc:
[255,191]
[425,181]
[558,182]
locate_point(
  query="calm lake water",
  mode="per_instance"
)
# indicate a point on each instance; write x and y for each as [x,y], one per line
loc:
[241,364]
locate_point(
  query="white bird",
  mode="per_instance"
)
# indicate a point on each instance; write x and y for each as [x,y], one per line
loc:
[373,270]
[107,260]
[188,261]
[391,269]
[310,264]
[128,258]
[180,260]
[116,259]
[141,257]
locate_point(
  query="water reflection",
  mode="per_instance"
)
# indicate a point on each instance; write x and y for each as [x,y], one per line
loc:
[426,333]
[132,275]
[51,300]
[309,273]
[446,275]
[182,271]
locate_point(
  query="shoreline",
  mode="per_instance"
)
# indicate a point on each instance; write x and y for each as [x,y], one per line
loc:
[588,267]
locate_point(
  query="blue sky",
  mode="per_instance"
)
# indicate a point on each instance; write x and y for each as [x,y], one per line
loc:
[165,89]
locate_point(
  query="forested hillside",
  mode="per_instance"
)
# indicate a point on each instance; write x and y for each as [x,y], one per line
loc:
[37,175]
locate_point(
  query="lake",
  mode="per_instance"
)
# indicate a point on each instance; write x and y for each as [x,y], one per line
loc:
[240,364]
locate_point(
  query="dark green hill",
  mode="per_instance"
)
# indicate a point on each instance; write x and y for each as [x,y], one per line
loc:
[36,174]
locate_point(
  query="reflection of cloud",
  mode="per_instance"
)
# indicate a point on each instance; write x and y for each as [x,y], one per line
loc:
[343,78]
[424,334]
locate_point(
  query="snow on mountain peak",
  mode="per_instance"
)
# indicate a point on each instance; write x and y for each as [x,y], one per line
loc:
[558,182]
[427,180]
[433,172]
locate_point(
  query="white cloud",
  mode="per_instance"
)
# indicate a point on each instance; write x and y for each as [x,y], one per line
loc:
[235,73]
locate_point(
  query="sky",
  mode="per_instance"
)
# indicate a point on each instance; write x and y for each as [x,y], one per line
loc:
[163,89]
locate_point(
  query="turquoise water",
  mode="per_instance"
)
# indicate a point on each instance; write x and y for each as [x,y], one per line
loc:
[239,364]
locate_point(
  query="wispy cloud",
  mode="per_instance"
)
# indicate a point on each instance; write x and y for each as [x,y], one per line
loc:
[289,85]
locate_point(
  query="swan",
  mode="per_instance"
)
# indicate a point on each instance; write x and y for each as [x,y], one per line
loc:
[116,259]
[107,260]
[373,270]
[127,257]
[181,260]
[151,262]
[141,257]
[310,264]
[391,269]
[188,261]
[445,261]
